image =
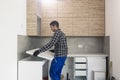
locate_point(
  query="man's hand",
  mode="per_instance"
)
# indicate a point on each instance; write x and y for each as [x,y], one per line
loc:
[36,53]
[52,50]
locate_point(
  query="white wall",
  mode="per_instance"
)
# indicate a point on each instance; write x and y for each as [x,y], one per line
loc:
[113,30]
[11,23]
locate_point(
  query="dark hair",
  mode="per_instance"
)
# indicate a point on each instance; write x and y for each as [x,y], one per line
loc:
[54,23]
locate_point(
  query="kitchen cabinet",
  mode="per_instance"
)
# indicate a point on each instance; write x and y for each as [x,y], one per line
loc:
[96,65]
[31,68]
[76,17]
[96,27]
[80,68]
[80,26]
[96,10]
[48,14]
[33,17]
[88,67]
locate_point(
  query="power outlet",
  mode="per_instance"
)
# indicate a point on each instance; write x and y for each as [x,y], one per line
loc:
[80,46]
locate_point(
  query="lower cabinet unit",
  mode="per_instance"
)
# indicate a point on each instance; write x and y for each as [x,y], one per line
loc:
[96,68]
[30,69]
[89,68]
[75,68]
[80,68]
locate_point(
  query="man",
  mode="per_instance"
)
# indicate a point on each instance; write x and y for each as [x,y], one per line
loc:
[60,49]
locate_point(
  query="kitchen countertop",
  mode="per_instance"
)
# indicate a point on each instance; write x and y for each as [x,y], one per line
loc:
[49,55]
[87,54]
[33,59]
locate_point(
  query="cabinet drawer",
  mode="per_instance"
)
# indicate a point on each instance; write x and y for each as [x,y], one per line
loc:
[80,59]
[80,66]
[80,73]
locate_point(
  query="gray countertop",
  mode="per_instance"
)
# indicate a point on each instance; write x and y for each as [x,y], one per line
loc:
[87,54]
[48,55]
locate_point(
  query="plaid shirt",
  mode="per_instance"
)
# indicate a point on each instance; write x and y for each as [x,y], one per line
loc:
[59,42]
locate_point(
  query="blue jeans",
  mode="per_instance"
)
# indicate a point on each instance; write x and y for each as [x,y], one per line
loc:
[56,67]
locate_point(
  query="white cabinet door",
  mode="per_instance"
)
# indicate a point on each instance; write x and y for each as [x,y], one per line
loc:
[29,70]
[96,64]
